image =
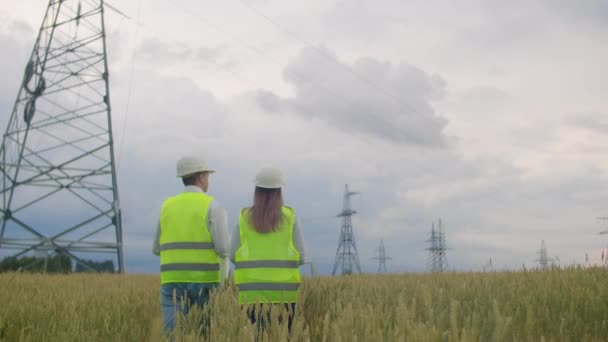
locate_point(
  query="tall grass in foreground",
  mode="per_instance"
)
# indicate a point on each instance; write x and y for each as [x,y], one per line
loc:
[557,305]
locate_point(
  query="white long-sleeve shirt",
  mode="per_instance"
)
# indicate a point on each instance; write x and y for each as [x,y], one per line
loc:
[217,222]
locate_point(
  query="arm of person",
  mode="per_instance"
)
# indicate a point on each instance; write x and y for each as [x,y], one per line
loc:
[156,244]
[235,244]
[218,222]
[298,240]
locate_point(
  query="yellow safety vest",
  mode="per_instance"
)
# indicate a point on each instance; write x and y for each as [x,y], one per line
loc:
[187,254]
[267,265]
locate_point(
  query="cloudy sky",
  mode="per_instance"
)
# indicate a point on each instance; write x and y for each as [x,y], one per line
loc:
[490,115]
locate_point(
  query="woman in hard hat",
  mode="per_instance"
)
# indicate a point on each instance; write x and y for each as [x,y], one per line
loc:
[267,249]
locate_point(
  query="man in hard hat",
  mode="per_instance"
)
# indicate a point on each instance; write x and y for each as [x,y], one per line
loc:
[192,242]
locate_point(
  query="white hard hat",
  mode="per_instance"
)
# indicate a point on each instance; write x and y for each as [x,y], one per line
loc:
[269,178]
[190,165]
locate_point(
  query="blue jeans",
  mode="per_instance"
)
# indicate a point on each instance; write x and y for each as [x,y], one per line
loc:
[186,296]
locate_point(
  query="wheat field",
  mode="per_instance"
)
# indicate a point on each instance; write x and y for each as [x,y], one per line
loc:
[558,305]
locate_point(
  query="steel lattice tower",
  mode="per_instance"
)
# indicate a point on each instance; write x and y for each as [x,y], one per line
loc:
[543,256]
[438,259]
[59,191]
[606,220]
[346,255]
[382,258]
[604,255]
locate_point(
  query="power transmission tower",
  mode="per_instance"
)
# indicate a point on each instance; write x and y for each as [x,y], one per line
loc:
[604,256]
[437,249]
[381,258]
[59,191]
[543,256]
[606,220]
[488,265]
[346,255]
[313,268]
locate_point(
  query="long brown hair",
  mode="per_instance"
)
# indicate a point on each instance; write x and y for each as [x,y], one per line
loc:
[266,212]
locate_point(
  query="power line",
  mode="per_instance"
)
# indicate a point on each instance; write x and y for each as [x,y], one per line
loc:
[117,10]
[330,57]
[299,76]
[249,47]
[131,81]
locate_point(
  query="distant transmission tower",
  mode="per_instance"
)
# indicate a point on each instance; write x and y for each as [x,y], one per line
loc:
[381,258]
[313,268]
[488,265]
[346,255]
[605,219]
[437,249]
[543,257]
[604,251]
[59,192]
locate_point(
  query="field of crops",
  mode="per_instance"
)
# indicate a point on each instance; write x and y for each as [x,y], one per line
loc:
[557,305]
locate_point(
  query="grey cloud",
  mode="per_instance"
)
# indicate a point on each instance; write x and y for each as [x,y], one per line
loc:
[20,30]
[168,112]
[494,26]
[160,52]
[363,20]
[16,42]
[533,23]
[477,106]
[486,99]
[497,212]
[269,101]
[208,53]
[592,121]
[155,51]
[379,99]
[591,12]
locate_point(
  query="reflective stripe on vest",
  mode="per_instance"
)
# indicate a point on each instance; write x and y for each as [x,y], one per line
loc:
[186,245]
[190,267]
[267,264]
[187,252]
[268,287]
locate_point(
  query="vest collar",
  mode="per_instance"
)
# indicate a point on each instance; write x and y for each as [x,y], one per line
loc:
[193,188]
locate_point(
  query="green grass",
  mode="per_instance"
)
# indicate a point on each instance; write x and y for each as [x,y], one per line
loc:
[557,305]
